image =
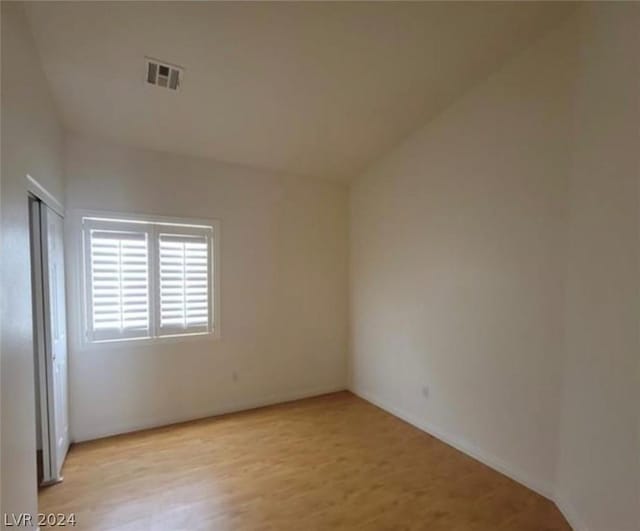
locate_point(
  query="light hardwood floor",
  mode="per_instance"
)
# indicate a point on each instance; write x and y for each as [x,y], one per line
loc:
[332,462]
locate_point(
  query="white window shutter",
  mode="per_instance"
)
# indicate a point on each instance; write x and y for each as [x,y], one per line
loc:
[118,273]
[184,272]
[146,279]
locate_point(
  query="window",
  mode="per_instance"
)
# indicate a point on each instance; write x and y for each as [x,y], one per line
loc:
[146,279]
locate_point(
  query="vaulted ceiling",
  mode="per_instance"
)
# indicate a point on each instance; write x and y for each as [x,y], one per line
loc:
[319,89]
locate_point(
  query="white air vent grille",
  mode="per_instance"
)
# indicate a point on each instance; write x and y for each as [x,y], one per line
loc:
[163,74]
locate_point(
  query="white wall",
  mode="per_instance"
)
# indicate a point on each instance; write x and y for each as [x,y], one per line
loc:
[283,290]
[457,267]
[31,143]
[599,460]
[501,239]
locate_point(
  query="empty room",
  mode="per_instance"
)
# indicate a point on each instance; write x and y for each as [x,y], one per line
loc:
[296,266]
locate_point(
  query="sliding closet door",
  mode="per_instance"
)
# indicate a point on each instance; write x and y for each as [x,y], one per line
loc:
[55,335]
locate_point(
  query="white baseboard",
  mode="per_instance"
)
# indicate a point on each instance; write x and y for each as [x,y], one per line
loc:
[542,488]
[570,514]
[221,409]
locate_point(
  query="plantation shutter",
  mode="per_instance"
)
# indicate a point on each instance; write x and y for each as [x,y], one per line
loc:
[118,274]
[184,263]
[147,279]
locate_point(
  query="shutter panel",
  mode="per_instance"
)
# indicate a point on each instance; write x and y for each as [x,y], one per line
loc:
[119,284]
[184,275]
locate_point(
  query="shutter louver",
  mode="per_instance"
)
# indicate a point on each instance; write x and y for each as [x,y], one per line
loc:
[119,288]
[184,283]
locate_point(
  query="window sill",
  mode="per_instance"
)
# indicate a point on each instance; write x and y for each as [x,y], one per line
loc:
[128,343]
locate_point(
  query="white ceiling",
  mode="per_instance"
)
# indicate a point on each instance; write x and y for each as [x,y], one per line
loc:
[319,89]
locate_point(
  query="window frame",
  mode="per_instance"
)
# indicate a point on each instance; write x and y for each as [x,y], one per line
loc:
[151,224]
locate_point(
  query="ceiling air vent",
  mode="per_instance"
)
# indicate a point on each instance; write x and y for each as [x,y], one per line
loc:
[163,75]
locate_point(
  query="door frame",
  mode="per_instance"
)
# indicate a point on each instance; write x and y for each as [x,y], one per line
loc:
[39,195]
[39,333]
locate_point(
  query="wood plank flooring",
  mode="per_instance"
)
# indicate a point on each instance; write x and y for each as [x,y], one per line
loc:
[332,462]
